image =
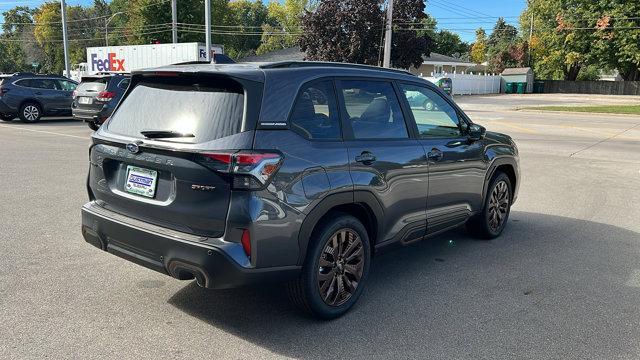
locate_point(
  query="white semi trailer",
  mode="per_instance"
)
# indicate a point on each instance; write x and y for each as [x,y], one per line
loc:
[124,59]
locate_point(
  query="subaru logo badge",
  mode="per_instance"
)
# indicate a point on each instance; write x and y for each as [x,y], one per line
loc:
[133,148]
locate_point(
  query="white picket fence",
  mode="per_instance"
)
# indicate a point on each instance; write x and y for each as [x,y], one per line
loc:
[467,84]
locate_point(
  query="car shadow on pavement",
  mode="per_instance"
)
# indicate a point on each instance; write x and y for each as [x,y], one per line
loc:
[549,286]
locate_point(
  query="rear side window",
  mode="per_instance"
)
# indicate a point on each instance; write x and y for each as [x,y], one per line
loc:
[208,109]
[67,85]
[315,114]
[373,110]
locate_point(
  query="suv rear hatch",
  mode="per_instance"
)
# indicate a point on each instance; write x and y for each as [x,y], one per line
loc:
[164,155]
[92,93]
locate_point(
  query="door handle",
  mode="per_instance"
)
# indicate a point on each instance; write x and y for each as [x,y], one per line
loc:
[38,93]
[366,158]
[434,154]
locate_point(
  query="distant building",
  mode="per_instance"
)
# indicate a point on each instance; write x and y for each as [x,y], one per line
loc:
[288,54]
[435,64]
[516,75]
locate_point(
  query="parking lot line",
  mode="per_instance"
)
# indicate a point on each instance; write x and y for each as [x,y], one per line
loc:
[44,132]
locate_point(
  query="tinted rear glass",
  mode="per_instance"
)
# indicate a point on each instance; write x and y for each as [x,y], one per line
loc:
[93,84]
[207,109]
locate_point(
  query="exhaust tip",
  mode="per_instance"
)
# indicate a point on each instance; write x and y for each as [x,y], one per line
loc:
[183,271]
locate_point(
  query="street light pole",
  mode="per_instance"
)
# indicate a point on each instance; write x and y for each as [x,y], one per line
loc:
[386,62]
[65,44]
[207,24]
[174,21]
[106,27]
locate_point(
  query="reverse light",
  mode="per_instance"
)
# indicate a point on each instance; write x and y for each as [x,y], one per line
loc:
[251,170]
[245,240]
[105,96]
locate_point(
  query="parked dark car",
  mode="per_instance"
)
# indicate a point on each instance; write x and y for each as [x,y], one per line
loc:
[31,96]
[97,96]
[295,171]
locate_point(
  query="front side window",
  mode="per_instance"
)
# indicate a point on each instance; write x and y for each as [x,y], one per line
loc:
[372,110]
[434,116]
[315,113]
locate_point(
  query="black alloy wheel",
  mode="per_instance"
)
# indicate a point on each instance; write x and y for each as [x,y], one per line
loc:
[335,269]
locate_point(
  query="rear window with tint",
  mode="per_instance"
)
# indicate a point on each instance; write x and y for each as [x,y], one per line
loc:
[93,84]
[207,109]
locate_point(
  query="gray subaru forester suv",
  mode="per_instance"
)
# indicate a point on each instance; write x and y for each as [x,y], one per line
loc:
[296,172]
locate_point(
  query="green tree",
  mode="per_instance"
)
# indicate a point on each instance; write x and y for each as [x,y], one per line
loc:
[248,17]
[358,38]
[17,43]
[562,37]
[282,25]
[479,48]
[616,37]
[447,43]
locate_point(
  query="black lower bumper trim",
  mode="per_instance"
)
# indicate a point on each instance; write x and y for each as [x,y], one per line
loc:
[210,265]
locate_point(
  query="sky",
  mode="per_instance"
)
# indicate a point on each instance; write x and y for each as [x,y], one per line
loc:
[459,16]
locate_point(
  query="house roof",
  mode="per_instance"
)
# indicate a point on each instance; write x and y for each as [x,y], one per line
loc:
[288,54]
[516,71]
[440,58]
[295,54]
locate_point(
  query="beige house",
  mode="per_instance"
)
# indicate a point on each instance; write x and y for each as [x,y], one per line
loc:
[441,64]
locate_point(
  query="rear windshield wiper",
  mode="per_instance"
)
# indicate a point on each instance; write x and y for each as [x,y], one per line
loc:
[164,134]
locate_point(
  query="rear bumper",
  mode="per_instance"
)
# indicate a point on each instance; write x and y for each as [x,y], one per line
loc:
[5,109]
[214,263]
[87,115]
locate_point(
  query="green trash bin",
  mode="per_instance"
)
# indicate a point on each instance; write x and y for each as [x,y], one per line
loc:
[522,86]
[509,88]
[538,87]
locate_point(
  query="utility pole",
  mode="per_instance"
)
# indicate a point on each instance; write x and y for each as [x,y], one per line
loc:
[530,32]
[63,12]
[207,24]
[174,21]
[386,62]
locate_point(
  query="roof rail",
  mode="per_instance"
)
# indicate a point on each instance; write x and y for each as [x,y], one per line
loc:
[293,64]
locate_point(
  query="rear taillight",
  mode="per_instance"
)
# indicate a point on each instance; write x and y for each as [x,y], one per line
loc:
[251,170]
[105,96]
[3,91]
[245,240]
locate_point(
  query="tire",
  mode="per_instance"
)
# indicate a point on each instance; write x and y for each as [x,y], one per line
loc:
[490,223]
[30,112]
[7,117]
[324,299]
[93,126]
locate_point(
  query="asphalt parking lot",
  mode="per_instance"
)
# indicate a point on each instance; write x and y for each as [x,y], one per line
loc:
[563,281]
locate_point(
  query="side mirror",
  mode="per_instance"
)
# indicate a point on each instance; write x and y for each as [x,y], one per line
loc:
[476,132]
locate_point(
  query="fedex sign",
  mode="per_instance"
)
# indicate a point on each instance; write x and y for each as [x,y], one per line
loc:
[111,63]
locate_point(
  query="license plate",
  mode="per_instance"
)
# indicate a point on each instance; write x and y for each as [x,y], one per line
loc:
[84,100]
[141,181]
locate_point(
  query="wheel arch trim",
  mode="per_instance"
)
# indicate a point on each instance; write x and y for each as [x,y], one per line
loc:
[330,202]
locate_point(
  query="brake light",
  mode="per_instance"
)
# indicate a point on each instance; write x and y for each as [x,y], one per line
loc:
[245,240]
[251,170]
[105,96]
